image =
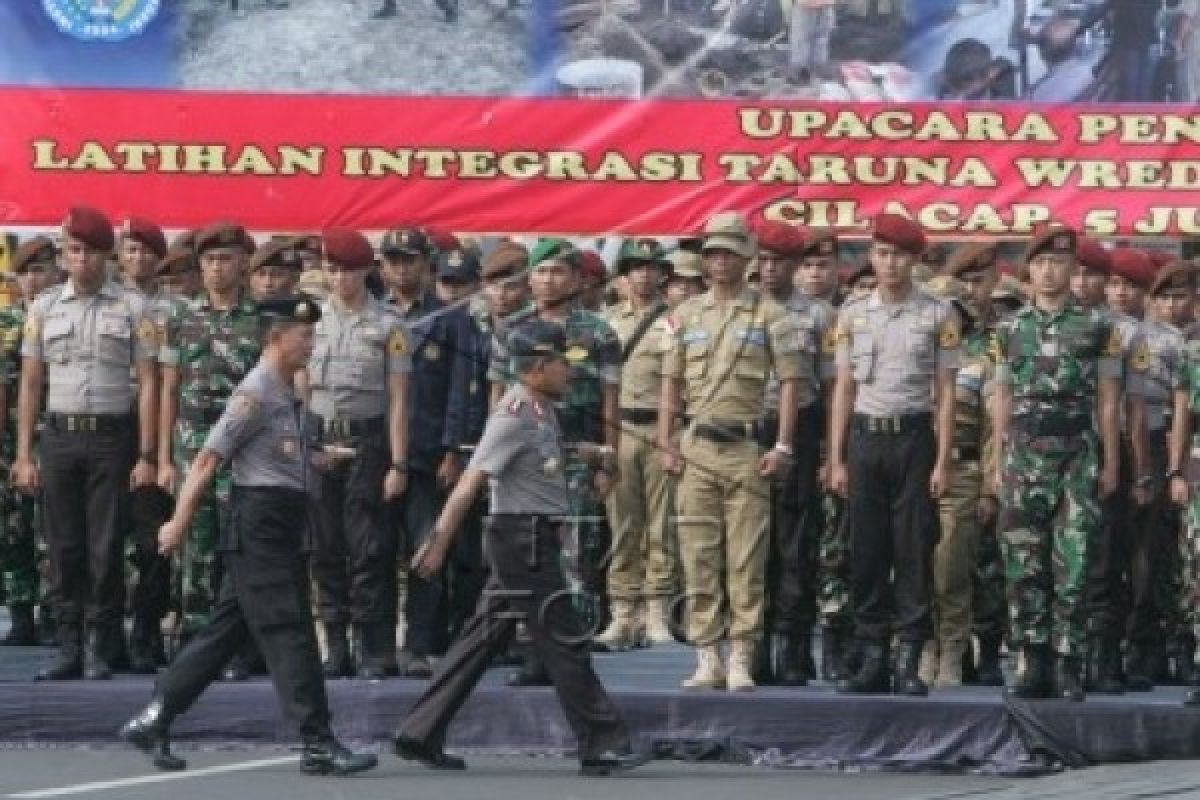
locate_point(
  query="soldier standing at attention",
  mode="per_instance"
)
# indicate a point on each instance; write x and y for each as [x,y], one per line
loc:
[786,656]
[22,540]
[1058,378]
[725,345]
[897,354]
[686,279]
[522,456]
[264,588]
[81,340]
[210,344]
[641,572]
[358,384]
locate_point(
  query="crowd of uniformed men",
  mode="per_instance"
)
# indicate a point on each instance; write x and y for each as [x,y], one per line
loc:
[921,458]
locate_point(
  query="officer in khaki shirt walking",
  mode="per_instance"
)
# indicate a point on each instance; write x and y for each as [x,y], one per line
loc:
[725,344]
[897,353]
[641,569]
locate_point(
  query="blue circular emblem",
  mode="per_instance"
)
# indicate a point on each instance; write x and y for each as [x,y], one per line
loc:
[101,20]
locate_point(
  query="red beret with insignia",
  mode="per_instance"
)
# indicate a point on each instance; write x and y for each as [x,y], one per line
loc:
[1054,238]
[224,234]
[1174,275]
[1134,266]
[146,232]
[91,227]
[820,243]
[1093,255]
[1160,258]
[591,265]
[38,250]
[899,231]
[780,238]
[347,248]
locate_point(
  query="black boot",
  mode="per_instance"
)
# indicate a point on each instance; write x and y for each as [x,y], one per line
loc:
[1068,683]
[766,655]
[872,675]
[988,672]
[23,633]
[1034,681]
[69,666]
[327,756]
[804,657]
[532,672]
[143,648]
[1192,698]
[387,10]
[789,660]
[1185,662]
[238,668]
[149,732]
[608,762]
[377,651]
[832,655]
[337,652]
[970,675]
[1139,668]
[432,757]
[96,666]
[907,680]
[47,627]
[1107,679]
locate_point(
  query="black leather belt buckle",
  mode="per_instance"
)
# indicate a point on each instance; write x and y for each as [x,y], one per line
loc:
[965,454]
[639,416]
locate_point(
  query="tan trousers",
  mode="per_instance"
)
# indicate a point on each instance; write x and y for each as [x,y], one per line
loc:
[954,556]
[723,523]
[639,512]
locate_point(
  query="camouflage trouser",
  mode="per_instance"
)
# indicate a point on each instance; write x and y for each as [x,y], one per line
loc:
[198,568]
[585,548]
[1049,514]
[833,566]
[22,549]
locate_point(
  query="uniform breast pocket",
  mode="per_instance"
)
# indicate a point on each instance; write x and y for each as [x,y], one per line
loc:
[695,357]
[369,362]
[922,338]
[56,340]
[113,333]
[862,358]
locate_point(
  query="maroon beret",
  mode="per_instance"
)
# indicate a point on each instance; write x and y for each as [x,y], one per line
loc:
[146,232]
[1160,258]
[224,234]
[178,259]
[1174,275]
[1134,266]
[970,258]
[780,238]
[820,243]
[38,250]
[591,265]
[347,248]
[91,227]
[1053,238]
[1093,255]
[899,231]
[280,252]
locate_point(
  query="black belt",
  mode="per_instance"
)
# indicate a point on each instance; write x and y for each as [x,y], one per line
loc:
[725,431]
[342,428]
[1051,426]
[204,416]
[88,423]
[966,453]
[639,416]
[536,522]
[893,425]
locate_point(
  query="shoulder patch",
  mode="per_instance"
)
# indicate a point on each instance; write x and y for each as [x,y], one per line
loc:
[829,341]
[397,343]
[1113,348]
[33,326]
[146,330]
[1140,362]
[949,337]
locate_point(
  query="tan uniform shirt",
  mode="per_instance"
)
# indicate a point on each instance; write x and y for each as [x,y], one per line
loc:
[641,376]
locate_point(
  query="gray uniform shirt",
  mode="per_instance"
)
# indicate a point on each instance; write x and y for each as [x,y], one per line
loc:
[1164,351]
[895,350]
[813,318]
[354,354]
[89,346]
[262,432]
[521,452]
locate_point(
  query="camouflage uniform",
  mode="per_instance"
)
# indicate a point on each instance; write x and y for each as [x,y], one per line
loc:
[213,351]
[1052,363]
[1187,378]
[22,547]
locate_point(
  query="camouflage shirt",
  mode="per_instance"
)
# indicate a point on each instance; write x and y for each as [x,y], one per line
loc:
[1053,360]
[12,322]
[213,351]
[580,411]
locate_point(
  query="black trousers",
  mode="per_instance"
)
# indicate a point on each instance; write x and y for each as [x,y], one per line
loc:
[1110,556]
[527,584]
[85,482]
[1154,530]
[264,598]
[151,593]
[466,571]
[355,538]
[894,528]
[425,609]
[795,527]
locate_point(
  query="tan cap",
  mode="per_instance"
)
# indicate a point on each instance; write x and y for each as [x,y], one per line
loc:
[685,264]
[728,230]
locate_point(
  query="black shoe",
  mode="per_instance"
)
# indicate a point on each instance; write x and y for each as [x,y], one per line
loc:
[804,658]
[1104,670]
[47,627]
[531,673]
[832,655]
[23,632]
[907,680]
[329,757]
[68,667]
[387,11]
[1034,682]
[988,672]
[1138,673]
[413,750]
[872,675]
[377,653]
[149,732]
[237,670]
[143,647]
[337,654]
[790,652]
[608,762]
[1192,698]
[1067,681]
[95,665]
[766,652]
[415,666]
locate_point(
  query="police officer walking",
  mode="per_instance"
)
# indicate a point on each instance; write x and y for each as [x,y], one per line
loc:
[81,340]
[522,457]
[897,353]
[264,590]
[358,380]
[725,345]
[1058,367]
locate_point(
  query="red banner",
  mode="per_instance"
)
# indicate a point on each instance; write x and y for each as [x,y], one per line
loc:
[282,162]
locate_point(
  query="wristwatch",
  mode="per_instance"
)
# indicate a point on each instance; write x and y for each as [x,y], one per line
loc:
[1175,473]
